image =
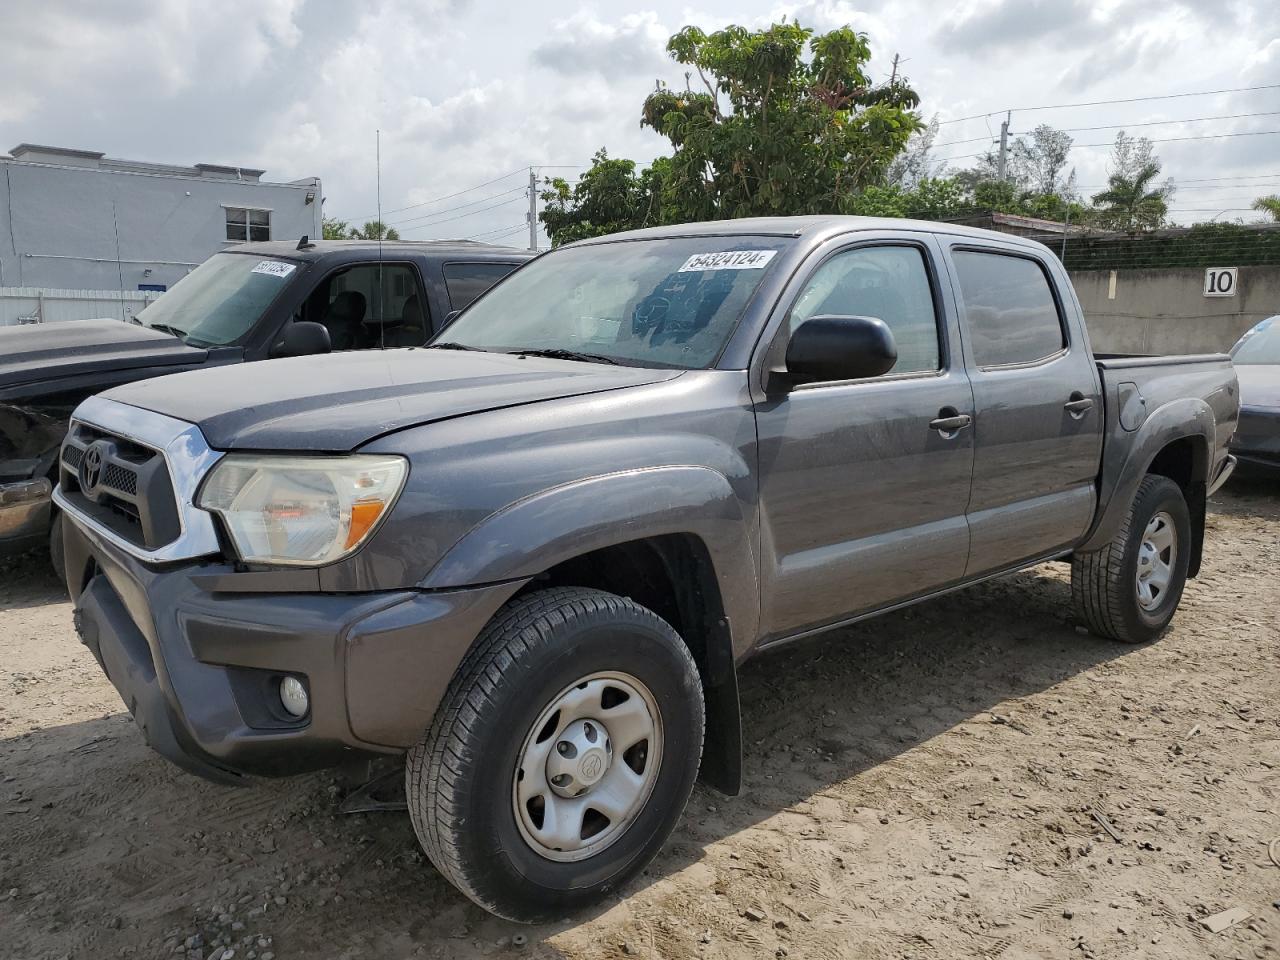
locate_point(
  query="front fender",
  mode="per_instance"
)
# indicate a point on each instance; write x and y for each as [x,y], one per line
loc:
[540,531]
[1127,457]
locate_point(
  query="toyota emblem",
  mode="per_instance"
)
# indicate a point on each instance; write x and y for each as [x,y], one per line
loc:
[91,470]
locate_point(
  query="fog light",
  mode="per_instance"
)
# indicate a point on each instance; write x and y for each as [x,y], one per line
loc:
[293,696]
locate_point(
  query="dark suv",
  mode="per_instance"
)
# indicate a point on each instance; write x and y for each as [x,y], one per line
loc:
[255,301]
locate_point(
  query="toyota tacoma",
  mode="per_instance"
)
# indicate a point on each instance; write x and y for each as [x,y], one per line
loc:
[531,557]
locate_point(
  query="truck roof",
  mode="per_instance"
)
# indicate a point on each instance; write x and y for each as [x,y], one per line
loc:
[391,250]
[814,228]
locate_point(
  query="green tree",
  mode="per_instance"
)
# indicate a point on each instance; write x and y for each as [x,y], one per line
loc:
[785,122]
[934,198]
[1270,204]
[334,229]
[608,198]
[374,230]
[1133,200]
[1034,166]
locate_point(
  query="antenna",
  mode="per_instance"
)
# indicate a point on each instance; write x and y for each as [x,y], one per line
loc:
[382,229]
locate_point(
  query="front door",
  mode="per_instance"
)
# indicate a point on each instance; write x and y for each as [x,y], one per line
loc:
[863,484]
[1038,433]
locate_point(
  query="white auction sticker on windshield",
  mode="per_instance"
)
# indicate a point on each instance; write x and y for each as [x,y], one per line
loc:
[274,268]
[728,260]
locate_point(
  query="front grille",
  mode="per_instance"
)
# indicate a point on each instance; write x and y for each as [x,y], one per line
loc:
[120,479]
[123,485]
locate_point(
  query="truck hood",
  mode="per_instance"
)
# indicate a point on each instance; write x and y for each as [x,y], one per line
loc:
[338,402]
[1259,385]
[47,351]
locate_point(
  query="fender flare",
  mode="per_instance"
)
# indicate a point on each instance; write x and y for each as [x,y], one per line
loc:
[1189,418]
[611,509]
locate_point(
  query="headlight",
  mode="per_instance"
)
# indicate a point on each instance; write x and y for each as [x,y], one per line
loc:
[303,511]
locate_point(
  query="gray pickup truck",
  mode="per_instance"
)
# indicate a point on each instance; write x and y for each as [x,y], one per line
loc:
[531,556]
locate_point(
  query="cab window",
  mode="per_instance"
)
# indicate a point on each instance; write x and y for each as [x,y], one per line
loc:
[370,305]
[890,283]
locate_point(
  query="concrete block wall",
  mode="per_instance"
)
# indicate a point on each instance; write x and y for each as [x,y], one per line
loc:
[1166,311]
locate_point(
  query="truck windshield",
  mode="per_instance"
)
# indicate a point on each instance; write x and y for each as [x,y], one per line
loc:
[1259,345]
[670,302]
[220,300]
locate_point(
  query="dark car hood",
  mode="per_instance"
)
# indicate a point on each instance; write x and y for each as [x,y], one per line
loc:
[340,401]
[46,351]
[1259,385]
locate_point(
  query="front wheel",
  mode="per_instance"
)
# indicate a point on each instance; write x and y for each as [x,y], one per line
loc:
[565,750]
[1129,590]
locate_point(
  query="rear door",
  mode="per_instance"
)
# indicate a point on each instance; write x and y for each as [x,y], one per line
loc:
[862,495]
[1038,432]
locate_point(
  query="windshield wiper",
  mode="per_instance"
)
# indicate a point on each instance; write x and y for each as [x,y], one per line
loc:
[165,328]
[450,345]
[558,353]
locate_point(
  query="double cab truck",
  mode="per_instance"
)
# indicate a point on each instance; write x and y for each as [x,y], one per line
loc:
[531,558]
[254,301]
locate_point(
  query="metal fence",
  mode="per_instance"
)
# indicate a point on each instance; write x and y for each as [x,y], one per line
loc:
[20,305]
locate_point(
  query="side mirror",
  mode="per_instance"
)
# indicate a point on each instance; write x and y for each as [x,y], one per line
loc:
[828,348]
[302,338]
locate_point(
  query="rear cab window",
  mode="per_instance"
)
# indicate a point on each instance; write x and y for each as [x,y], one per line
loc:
[1011,314]
[466,281]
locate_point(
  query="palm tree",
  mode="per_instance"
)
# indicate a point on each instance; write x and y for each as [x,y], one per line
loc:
[1269,205]
[374,230]
[1130,203]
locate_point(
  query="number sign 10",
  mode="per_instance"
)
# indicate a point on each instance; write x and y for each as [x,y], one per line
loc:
[1220,282]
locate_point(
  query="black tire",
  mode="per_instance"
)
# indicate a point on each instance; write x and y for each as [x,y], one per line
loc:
[460,778]
[57,554]
[1104,583]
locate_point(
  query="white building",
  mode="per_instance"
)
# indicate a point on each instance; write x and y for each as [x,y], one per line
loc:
[84,235]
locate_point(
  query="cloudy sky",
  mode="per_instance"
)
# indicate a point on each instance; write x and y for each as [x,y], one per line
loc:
[469,91]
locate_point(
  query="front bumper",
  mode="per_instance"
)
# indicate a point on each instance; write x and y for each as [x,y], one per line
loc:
[197,650]
[24,514]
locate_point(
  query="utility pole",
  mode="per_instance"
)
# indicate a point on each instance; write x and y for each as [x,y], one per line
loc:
[1003,161]
[533,211]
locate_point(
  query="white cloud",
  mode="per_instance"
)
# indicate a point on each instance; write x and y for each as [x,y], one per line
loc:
[468,90]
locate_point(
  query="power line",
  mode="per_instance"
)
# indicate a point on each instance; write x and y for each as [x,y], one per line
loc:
[1202,136]
[1103,103]
[499,231]
[450,196]
[461,206]
[1122,126]
[463,216]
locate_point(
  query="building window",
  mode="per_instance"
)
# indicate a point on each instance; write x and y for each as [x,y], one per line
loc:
[245,223]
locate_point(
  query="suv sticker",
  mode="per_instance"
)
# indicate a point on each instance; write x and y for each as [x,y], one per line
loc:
[728,260]
[274,268]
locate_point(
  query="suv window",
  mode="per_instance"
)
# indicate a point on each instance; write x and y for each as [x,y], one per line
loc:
[890,283]
[466,281]
[1009,305]
[370,305]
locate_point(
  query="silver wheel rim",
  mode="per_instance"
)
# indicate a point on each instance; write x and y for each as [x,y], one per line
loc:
[1156,557]
[587,766]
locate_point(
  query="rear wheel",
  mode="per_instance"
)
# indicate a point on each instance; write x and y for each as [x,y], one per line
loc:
[563,754]
[1130,589]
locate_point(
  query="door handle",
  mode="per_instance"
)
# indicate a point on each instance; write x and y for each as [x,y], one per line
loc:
[1078,405]
[950,421]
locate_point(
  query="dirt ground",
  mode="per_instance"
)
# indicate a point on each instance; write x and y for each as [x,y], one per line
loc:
[921,786]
